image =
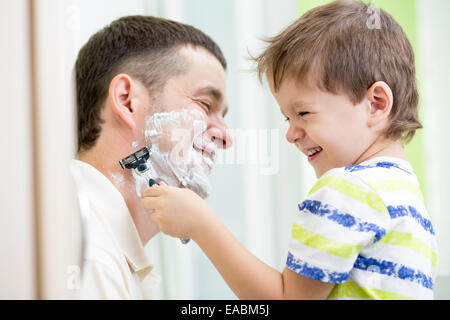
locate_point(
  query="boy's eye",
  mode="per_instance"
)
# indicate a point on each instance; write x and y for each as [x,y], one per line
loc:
[301,114]
[286,119]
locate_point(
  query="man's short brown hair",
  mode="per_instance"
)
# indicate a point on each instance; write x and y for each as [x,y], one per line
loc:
[346,49]
[144,47]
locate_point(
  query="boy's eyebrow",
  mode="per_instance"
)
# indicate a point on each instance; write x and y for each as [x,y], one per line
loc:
[299,104]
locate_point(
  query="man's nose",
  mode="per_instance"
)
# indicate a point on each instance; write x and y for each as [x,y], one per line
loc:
[218,133]
[294,134]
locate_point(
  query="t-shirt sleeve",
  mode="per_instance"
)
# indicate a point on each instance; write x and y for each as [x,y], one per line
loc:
[339,218]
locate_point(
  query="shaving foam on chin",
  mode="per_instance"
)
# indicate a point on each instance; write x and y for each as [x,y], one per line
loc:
[172,137]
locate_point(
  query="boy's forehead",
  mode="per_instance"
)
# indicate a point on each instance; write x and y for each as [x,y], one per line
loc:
[292,81]
[297,91]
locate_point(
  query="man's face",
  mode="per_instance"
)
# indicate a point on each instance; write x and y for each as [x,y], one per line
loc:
[328,128]
[189,126]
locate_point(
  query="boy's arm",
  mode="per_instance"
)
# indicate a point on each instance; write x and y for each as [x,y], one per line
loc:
[249,277]
[181,213]
[246,275]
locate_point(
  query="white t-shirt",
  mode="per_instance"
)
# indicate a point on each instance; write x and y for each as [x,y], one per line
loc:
[115,265]
[365,227]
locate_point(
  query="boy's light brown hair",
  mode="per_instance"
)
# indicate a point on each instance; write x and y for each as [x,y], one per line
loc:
[346,46]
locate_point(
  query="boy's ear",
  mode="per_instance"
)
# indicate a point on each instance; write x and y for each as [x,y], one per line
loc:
[381,100]
[120,95]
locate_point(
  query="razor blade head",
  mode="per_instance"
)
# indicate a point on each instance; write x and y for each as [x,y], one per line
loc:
[134,160]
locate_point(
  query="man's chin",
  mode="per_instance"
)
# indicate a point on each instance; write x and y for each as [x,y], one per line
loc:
[200,191]
[199,180]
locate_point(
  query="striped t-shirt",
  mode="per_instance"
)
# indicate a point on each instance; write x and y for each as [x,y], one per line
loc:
[366,229]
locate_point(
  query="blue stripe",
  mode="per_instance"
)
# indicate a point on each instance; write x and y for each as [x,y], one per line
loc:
[384,164]
[303,268]
[344,219]
[393,269]
[405,211]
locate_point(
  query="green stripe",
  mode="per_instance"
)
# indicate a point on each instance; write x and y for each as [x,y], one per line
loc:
[407,240]
[397,185]
[353,290]
[319,242]
[351,190]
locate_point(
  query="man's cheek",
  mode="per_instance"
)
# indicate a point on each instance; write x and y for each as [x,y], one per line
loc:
[181,150]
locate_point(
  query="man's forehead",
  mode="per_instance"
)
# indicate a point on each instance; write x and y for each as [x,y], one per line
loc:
[204,75]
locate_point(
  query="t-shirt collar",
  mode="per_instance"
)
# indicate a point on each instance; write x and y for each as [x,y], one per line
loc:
[401,163]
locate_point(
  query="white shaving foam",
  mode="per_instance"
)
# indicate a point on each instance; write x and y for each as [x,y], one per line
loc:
[140,182]
[172,137]
[117,178]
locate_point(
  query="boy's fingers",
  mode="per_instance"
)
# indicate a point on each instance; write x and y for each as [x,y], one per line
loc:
[154,191]
[150,203]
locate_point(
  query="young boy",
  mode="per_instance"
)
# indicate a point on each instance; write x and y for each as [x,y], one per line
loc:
[348,91]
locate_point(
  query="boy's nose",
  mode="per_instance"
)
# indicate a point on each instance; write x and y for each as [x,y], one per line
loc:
[294,134]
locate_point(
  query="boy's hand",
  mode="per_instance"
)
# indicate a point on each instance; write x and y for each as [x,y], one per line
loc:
[178,212]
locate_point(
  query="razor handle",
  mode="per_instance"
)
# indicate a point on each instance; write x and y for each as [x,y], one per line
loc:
[153,182]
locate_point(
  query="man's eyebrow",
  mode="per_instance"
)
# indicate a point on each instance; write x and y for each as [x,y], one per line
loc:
[212,91]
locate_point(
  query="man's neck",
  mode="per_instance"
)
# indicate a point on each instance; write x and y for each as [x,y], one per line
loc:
[124,181]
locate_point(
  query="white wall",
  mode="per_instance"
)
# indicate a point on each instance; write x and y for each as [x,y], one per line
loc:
[433,26]
[39,226]
[17,272]
[257,207]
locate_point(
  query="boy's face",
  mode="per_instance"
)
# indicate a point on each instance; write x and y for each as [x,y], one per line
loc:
[329,129]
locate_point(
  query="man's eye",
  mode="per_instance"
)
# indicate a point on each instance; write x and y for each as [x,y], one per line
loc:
[205,105]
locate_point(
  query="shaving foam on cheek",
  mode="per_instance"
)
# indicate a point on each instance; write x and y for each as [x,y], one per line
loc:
[172,137]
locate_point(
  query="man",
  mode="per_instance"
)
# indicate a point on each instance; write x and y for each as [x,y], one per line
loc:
[140,82]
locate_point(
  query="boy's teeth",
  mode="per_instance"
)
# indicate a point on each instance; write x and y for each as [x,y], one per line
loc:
[314,151]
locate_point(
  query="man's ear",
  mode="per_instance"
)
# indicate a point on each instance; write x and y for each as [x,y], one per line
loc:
[381,100]
[120,95]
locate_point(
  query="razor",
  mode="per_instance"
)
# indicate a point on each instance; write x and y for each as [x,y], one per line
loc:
[138,162]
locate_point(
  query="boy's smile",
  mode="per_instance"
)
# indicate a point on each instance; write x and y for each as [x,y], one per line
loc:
[313,153]
[328,128]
